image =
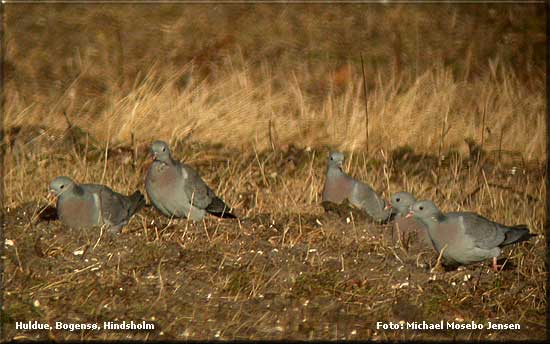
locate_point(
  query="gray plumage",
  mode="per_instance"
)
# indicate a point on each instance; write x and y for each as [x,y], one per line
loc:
[177,190]
[82,206]
[339,187]
[404,226]
[468,237]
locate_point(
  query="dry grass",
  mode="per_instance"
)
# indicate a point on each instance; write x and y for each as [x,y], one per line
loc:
[237,111]
[256,109]
[284,270]
[155,74]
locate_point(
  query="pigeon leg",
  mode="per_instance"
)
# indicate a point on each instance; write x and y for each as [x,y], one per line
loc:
[495,265]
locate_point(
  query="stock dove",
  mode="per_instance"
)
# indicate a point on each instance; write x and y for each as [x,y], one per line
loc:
[340,187]
[177,190]
[466,237]
[405,228]
[89,205]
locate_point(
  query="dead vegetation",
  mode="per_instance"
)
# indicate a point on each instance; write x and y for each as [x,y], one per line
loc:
[285,270]
[245,75]
[256,110]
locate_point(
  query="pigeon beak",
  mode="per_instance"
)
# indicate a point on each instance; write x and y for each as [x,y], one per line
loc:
[388,206]
[51,196]
[153,156]
[409,215]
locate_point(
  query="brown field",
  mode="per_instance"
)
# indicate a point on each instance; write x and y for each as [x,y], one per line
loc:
[254,97]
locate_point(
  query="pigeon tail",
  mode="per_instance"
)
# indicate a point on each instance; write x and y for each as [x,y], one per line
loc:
[137,201]
[218,208]
[517,234]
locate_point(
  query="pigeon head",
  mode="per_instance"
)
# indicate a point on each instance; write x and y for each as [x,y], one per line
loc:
[402,202]
[424,210]
[160,151]
[335,159]
[60,185]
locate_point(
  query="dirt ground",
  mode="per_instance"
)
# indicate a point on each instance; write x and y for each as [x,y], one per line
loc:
[285,269]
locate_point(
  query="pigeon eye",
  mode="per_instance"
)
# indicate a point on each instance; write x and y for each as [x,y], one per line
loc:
[421,208]
[397,199]
[62,186]
[163,149]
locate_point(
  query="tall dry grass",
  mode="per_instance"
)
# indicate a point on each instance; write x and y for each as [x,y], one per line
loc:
[223,74]
[238,108]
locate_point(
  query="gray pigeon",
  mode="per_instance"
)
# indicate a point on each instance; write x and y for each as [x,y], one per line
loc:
[467,237]
[340,187]
[177,190]
[89,205]
[404,227]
